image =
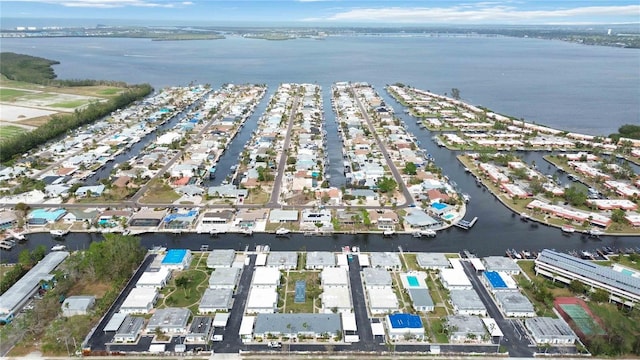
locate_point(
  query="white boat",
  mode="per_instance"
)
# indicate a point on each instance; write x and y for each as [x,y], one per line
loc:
[59,233]
[58,248]
[568,229]
[388,233]
[282,231]
[466,197]
[524,216]
[428,233]
[126,232]
[416,234]
[596,232]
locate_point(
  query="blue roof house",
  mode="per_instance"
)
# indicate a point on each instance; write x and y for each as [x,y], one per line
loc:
[177,259]
[45,216]
[403,326]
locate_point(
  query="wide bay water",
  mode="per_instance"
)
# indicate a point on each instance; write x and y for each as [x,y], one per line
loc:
[582,88]
[579,88]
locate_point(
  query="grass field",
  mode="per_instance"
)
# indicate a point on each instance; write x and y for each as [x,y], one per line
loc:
[159,192]
[9,131]
[70,104]
[108,91]
[4,269]
[11,94]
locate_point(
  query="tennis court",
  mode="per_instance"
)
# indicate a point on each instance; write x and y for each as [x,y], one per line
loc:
[582,319]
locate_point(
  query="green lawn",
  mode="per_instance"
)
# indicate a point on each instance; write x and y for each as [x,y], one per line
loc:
[109,91]
[191,294]
[9,131]
[411,262]
[70,104]
[11,94]
[313,291]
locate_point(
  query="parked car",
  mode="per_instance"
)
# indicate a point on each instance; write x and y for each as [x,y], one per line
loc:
[274,344]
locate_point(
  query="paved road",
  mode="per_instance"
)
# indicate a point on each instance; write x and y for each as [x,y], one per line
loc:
[408,199]
[367,341]
[282,164]
[515,338]
[232,342]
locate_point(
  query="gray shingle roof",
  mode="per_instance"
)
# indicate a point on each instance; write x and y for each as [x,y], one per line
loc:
[293,323]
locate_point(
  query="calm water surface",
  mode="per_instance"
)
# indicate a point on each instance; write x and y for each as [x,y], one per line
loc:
[575,87]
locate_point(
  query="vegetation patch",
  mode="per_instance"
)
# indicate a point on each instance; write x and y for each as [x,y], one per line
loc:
[189,287]
[10,131]
[70,104]
[159,192]
[11,94]
[313,292]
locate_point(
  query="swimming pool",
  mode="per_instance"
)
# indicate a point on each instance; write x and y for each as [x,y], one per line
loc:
[412,281]
[438,206]
[448,216]
[627,272]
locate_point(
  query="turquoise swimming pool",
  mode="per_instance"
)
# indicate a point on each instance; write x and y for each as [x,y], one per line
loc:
[413,281]
[448,216]
[627,272]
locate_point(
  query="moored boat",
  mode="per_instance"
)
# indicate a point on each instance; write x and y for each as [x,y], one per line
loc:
[428,233]
[596,232]
[58,248]
[568,229]
[524,216]
[58,233]
[282,231]
[388,233]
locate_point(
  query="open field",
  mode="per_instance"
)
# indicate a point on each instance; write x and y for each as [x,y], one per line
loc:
[11,94]
[12,113]
[312,279]
[9,131]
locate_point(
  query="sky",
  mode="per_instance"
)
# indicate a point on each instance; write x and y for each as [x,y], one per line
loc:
[424,12]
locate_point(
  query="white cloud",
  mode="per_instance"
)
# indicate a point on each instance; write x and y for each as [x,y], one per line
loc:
[105,4]
[487,12]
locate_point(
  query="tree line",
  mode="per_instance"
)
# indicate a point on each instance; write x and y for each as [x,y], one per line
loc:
[32,69]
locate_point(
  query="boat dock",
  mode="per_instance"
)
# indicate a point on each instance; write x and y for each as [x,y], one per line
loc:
[465,224]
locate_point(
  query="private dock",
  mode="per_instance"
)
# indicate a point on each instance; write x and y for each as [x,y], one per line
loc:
[466,224]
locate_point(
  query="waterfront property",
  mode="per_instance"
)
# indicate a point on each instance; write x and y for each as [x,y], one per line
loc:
[177,259]
[220,258]
[432,261]
[622,288]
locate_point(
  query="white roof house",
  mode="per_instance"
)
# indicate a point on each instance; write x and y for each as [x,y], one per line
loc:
[334,277]
[320,260]
[501,263]
[514,304]
[266,277]
[169,320]
[434,261]
[336,299]
[262,300]
[550,331]
[467,302]
[199,330]
[283,260]
[219,258]
[455,279]
[246,328]
[376,278]
[129,329]
[224,278]
[77,305]
[461,326]
[382,300]
[139,301]
[154,279]
[214,300]
[386,260]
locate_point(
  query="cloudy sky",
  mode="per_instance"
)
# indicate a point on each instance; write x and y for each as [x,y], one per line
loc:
[424,12]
